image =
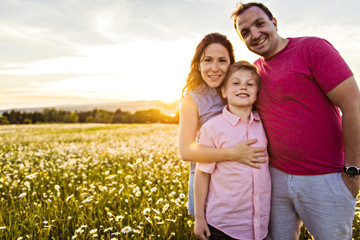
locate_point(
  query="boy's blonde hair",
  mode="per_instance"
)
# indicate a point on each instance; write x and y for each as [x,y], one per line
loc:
[241,65]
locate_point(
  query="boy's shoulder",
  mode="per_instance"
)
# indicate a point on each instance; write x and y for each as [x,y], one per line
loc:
[218,119]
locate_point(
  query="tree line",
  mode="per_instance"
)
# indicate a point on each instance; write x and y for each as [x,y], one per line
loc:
[53,115]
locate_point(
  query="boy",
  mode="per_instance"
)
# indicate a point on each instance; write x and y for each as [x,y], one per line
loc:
[232,200]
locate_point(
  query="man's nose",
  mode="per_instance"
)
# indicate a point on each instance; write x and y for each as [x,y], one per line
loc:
[255,34]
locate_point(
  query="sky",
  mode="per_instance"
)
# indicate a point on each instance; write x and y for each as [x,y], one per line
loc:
[70,52]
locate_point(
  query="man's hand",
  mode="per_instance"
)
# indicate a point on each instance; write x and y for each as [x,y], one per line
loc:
[245,154]
[201,229]
[352,184]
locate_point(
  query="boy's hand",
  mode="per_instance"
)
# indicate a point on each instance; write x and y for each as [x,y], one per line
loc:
[201,229]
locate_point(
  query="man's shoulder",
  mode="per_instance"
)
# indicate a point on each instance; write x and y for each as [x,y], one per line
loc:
[304,39]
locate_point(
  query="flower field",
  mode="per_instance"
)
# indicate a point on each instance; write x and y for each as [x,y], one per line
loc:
[94,181]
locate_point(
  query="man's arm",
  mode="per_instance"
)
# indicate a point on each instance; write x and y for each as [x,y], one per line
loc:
[201,188]
[347,97]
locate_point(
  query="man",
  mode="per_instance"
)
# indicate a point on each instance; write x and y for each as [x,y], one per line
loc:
[314,149]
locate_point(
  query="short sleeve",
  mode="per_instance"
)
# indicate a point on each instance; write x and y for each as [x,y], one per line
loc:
[328,68]
[205,138]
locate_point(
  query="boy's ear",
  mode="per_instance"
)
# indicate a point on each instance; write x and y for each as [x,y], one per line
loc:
[223,92]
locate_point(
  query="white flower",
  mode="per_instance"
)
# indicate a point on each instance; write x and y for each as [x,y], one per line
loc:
[159,201]
[126,229]
[27,184]
[156,211]
[165,207]
[22,195]
[2,228]
[121,190]
[68,198]
[89,199]
[146,211]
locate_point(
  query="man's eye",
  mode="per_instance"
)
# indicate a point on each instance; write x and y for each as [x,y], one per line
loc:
[244,34]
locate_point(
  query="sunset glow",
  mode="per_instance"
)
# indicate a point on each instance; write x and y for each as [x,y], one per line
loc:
[69,52]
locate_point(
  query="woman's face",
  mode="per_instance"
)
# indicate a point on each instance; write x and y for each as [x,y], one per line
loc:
[214,64]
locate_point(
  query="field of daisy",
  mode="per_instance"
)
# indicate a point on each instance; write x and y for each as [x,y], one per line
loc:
[95,181]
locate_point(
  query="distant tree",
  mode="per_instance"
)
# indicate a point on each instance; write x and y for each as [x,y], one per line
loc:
[27,121]
[148,116]
[97,116]
[13,117]
[103,116]
[71,117]
[121,117]
[3,120]
[176,117]
[90,119]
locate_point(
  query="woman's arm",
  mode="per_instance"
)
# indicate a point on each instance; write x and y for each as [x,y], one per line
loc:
[191,151]
[201,188]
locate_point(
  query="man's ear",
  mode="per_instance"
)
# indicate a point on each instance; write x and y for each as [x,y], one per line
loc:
[275,23]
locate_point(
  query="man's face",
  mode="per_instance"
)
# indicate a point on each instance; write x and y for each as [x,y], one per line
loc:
[258,32]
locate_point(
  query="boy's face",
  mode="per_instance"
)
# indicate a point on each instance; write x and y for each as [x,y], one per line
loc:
[241,89]
[258,32]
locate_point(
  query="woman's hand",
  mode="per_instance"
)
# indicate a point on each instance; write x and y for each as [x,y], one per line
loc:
[251,156]
[201,229]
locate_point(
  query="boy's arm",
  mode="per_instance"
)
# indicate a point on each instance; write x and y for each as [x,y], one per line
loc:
[201,187]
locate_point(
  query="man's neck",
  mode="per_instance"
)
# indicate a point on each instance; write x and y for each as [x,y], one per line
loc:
[282,43]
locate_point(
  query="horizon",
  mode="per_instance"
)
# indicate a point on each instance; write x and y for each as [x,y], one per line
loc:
[91,52]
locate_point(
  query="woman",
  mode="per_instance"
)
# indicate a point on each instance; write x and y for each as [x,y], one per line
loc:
[200,102]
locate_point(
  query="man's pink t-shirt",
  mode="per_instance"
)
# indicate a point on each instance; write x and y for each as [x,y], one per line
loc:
[238,201]
[302,125]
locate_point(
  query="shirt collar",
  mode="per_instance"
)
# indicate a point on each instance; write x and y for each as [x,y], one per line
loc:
[233,119]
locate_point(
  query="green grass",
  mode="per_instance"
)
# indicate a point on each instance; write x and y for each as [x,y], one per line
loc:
[92,181]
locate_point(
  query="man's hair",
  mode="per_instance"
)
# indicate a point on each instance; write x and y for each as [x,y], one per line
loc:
[241,7]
